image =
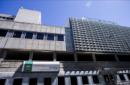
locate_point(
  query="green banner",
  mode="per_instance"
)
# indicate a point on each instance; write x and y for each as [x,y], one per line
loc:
[28,66]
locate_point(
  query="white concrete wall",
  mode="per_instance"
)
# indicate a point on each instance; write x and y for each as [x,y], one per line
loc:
[31,27]
[28,16]
[6,24]
[32,44]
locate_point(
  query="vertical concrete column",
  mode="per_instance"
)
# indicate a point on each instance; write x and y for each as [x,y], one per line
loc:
[67,81]
[116,57]
[40,81]
[75,57]
[101,80]
[9,34]
[94,57]
[90,80]
[23,35]
[79,80]
[30,55]
[25,81]
[9,81]
[4,54]
[54,56]
[118,78]
[34,36]
[55,37]
[126,77]
[55,81]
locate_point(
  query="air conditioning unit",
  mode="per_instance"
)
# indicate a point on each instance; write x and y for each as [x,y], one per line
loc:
[40,66]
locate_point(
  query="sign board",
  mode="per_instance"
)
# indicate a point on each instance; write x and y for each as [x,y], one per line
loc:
[40,66]
[28,66]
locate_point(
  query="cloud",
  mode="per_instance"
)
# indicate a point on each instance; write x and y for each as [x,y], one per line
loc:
[88,3]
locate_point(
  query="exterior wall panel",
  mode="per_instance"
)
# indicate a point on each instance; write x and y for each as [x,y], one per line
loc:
[3,42]
[41,45]
[52,45]
[35,44]
[46,45]
[22,44]
[6,24]
[98,36]
[29,44]
[31,27]
[43,29]
[32,44]
[10,43]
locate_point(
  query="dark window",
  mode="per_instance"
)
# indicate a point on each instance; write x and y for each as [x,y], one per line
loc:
[29,35]
[3,32]
[43,56]
[95,79]
[47,81]
[124,57]
[17,82]
[60,37]
[17,34]
[105,57]
[33,81]
[122,77]
[73,80]
[2,81]
[64,57]
[85,79]
[50,37]
[40,36]
[84,57]
[17,55]
[129,76]
[61,81]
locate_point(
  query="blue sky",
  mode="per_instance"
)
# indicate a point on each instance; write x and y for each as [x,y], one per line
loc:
[57,12]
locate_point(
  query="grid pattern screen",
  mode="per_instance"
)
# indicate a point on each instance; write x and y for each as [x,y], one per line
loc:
[96,36]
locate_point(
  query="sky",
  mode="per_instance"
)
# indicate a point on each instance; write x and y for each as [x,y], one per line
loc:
[57,12]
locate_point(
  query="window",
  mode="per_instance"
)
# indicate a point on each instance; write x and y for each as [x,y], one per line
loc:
[105,57]
[73,80]
[128,76]
[65,57]
[84,57]
[29,35]
[3,32]
[95,79]
[40,36]
[17,81]
[43,56]
[17,55]
[124,57]
[50,37]
[122,77]
[60,37]
[17,34]
[85,79]
[33,81]
[61,81]
[2,81]
[47,81]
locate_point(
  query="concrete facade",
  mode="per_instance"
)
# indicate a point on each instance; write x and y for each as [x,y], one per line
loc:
[80,63]
[28,16]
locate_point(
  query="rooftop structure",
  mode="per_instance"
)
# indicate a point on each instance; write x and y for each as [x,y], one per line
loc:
[28,16]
